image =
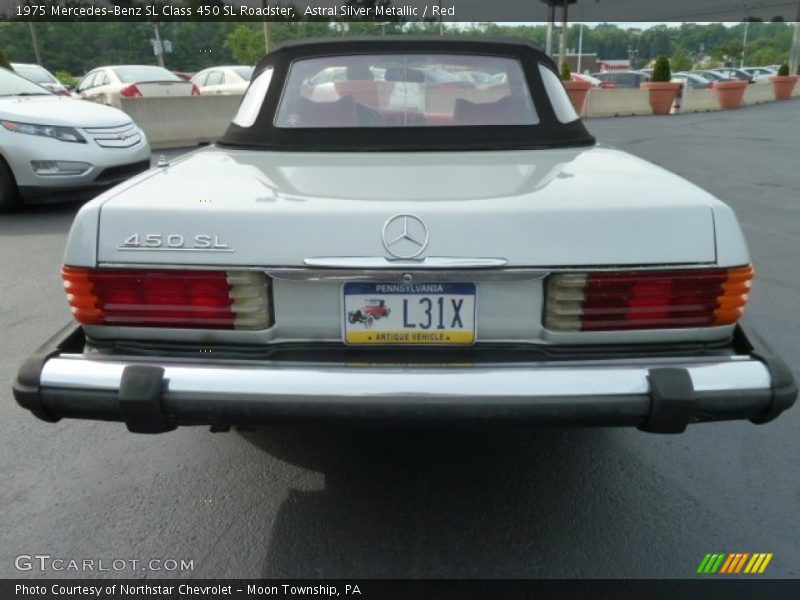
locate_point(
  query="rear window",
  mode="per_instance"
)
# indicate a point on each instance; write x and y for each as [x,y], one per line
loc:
[12,84]
[35,74]
[245,73]
[140,74]
[405,90]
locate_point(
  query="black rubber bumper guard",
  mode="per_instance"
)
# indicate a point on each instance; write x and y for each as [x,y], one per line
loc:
[672,398]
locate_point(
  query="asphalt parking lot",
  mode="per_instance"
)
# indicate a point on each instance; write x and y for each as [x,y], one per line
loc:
[511,502]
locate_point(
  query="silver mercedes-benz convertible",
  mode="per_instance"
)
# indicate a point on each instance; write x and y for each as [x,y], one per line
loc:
[406,228]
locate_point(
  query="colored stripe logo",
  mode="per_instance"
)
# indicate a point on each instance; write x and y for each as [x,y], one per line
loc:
[734,562]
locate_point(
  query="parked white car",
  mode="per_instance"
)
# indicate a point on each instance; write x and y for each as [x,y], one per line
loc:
[761,73]
[40,75]
[107,85]
[229,80]
[483,259]
[57,148]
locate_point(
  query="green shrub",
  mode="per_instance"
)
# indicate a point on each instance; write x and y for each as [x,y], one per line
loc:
[661,70]
[67,79]
[4,61]
[784,70]
[566,75]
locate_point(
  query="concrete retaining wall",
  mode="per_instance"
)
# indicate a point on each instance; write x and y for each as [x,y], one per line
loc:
[699,100]
[616,103]
[178,122]
[758,93]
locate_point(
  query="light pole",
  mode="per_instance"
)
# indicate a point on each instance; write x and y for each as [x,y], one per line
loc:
[266,29]
[562,46]
[35,42]
[794,55]
[580,47]
[744,42]
[159,45]
[548,40]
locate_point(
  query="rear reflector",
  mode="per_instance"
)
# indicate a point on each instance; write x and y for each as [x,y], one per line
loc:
[668,299]
[167,298]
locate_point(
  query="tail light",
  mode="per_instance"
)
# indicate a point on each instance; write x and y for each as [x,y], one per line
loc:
[195,90]
[621,300]
[131,91]
[167,298]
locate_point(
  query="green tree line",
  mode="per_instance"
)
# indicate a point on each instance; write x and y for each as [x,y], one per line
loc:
[77,47]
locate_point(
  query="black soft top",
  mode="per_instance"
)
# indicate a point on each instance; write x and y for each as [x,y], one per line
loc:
[548,133]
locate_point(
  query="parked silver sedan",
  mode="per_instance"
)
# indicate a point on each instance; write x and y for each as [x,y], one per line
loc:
[40,75]
[53,147]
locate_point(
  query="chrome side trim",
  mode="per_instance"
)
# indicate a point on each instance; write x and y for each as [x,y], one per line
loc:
[288,382]
[379,262]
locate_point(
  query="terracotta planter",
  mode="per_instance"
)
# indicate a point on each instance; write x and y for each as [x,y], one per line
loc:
[577,93]
[730,93]
[783,86]
[662,95]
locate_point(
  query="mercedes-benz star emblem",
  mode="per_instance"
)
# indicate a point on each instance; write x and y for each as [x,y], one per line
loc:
[405,236]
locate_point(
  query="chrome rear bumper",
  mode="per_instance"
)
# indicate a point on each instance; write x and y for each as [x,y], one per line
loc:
[152,394]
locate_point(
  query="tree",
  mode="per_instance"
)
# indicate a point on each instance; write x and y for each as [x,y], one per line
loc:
[681,59]
[246,45]
[4,61]
[661,70]
[764,55]
[730,51]
[565,74]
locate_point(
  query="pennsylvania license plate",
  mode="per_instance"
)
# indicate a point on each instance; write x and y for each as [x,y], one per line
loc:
[416,313]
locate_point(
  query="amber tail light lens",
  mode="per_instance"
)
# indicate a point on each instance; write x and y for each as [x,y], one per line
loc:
[666,299]
[169,298]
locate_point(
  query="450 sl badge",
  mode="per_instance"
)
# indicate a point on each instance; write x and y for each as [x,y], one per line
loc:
[176,242]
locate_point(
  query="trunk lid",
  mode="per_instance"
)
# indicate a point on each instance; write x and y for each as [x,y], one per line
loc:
[160,89]
[540,208]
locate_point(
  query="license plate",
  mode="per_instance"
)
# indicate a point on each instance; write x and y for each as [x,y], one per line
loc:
[417,313]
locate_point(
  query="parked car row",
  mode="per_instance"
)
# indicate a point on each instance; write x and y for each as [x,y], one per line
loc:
[699,78]
[108,84]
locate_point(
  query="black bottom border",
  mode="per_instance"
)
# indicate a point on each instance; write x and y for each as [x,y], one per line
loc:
[708,588]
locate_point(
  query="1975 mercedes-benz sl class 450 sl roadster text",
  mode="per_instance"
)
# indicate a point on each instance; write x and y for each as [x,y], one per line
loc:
[406,228]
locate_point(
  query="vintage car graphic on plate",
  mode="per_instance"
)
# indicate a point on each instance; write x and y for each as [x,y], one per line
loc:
[422,313]
[365,194]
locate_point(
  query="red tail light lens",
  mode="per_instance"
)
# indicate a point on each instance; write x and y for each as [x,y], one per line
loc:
[622,300]
[195,90]
[167,298]
[131,91]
